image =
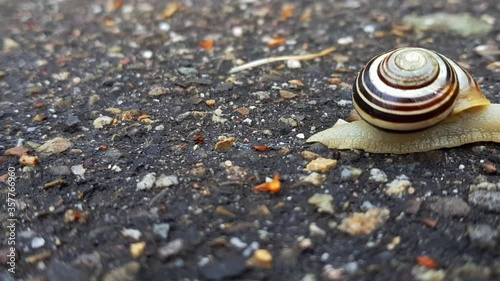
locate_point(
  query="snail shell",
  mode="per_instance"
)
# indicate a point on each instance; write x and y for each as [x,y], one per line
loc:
[421,100]
[411,89]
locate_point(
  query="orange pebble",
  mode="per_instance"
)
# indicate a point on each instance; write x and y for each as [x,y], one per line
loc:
[207,45]
[276,42]
[261,147]
[428,262]
[273,187]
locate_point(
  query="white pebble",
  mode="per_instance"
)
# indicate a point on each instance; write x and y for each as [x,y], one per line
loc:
[370,29]
[250,249]
[377,175]
[300,136]
[146,182]
[218,112]
[78,170]
[37,242]
[345,40]
[461,167]
[351,268]
[147,54]
[161,229]
[131,233]
[315,230]
[324,257]
[164,26]
[166,181]
[247,121]
[293,64]
[236,242]
[237,31]
[344,103]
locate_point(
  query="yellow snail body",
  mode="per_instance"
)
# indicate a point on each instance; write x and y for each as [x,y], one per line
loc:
[414,100]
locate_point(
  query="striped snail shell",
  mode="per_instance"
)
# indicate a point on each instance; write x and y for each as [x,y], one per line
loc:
[409,89]
[421,100]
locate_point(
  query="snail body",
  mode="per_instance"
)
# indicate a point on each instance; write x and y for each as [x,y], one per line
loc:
[414,100]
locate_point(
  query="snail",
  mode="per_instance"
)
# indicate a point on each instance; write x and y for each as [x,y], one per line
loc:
[414,100]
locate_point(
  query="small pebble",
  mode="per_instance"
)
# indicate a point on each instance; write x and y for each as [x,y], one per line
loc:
[161,230]
[236,242]
[377,175]
[345,40]
[224,144]
[324,257]
[422,273]
[54,146]
[101,122]
[305,244]
[250,249]
[367,205]
[309,155]
[72,121]
[293,64]
[188,71]
[163,181]
[261,258]
[289,122]
[321,164]
[364,223]
[157,91]
[210,102]
[137,249]
[316,231]
[399,187]
[262,95]
[370,29]
[126,272]
[486,199]
[173,248]
[483,235]
[223,211]
[37,242]
[164,26]
[350,174]
[395,241]
[352,268]
[147,54]
[147,182]
[78,170]
[17,151]
[131,233]
[29,160]
[471,271]
[323,203]
[309,277]
[449,206]
[314,178]
[489,168]
[10,44]
[237,31]
[331,273]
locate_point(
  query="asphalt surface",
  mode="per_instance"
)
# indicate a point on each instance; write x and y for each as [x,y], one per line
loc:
[140,184]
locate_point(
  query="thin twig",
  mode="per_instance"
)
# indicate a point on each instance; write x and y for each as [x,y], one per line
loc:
[283,58]
[158,196]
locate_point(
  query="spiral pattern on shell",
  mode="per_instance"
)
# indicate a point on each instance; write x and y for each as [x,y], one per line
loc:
[408,89]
